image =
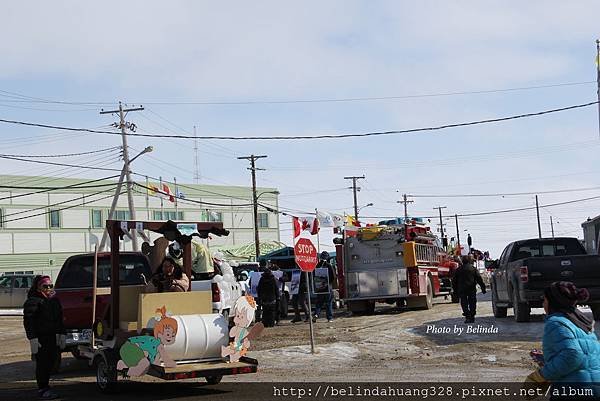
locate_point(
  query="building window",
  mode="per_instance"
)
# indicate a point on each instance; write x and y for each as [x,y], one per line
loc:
[214,216]
[122,215]
[54,218]
[97,221]
[167,215]
[263,220]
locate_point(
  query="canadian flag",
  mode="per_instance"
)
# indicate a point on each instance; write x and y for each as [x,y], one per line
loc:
[310,224]
[167,191]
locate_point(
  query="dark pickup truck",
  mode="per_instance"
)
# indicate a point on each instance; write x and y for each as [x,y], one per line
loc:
[74,290]
[526,267]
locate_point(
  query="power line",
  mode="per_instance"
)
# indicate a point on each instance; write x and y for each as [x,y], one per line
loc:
[195,201]
[75,186]
[56,210]
[507,194]
[18,98]
[59,164]
[332,136]
[67,154]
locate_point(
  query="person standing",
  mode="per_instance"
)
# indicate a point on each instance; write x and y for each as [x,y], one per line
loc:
[327,298]
[300,300]
[43,322]
[570,347]
[464,284]
[268,293]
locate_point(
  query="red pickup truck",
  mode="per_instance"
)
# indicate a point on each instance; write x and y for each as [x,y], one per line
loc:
[74,290]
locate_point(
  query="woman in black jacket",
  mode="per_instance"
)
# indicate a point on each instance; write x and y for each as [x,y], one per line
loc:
[43,322]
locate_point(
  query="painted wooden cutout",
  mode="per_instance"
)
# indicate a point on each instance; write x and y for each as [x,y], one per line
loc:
[139,352]
[243,310]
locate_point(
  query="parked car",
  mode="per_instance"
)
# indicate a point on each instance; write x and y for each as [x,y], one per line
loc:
[13,290]
[527,267]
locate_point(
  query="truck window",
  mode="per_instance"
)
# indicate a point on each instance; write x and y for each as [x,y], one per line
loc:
[559,247]
[5,282]
[78,272]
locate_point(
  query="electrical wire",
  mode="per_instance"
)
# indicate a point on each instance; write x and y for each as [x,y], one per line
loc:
[64,208]
[67,154]
[59,164]
[28,99]
[506,194]
[75,186]
[194,201]
[302,137]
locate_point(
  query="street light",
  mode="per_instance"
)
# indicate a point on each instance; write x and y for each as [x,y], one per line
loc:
[111,213]
[256,239]
[360,208]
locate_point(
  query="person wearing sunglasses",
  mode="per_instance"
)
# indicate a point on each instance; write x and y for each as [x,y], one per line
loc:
[43,322]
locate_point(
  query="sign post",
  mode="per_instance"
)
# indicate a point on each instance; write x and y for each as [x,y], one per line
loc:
[306,258]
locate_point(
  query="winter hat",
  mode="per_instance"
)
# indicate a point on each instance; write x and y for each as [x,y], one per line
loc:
[565,294]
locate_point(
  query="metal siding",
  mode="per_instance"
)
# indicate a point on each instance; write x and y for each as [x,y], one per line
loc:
[32,242]
[75,218]
[68,242]
[58,198]
[6,243]
[31,222]
[34,199]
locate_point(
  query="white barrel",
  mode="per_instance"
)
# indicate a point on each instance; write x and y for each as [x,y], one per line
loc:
[199,337]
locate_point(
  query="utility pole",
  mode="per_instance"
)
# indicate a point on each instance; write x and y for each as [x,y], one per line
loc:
[537,209]
[124,126]
[405,201]
[552,226]
[253,168]
[457,230]
[598,79]
[354,190]
[196,164]
[441,221]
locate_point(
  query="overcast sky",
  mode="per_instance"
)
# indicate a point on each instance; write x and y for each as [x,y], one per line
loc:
[244,54]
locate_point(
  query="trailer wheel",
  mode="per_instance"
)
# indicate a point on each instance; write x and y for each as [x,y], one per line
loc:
[499,311]
[213,379]
[521,310]
[106,373]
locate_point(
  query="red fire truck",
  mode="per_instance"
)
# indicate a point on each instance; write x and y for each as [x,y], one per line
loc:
[394,263]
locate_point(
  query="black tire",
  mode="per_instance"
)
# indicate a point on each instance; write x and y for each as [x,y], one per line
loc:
[499,311]
[428,302]
[106,374]
[521,310]
[595,311]
[284,305]
[213,379]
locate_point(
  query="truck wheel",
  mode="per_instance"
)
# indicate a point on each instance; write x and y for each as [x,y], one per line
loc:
[106,373]
[499,311]
[521,310]
[213,379]
[595,311]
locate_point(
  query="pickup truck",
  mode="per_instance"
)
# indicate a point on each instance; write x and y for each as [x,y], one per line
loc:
[528,266]
[74,290]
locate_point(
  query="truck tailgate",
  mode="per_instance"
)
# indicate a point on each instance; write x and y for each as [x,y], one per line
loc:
[583,270]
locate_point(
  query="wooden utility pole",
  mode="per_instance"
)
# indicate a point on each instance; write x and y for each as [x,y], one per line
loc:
[126,172]
[537,209]
[457,230]
[405,202]
[253,168]
[354,190]
[552,226]
[441,221]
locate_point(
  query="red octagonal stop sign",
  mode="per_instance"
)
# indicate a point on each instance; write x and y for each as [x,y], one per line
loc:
[306,255]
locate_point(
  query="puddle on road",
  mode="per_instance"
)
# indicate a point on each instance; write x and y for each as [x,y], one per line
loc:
[301,355]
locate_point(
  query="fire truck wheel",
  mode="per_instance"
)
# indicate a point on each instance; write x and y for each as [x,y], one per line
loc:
[499,311]
[428,302]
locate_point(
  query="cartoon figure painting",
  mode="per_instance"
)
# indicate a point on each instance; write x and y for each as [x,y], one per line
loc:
[244,309]
[138,353]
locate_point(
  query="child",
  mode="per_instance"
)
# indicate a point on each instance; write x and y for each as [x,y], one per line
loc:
[138,353]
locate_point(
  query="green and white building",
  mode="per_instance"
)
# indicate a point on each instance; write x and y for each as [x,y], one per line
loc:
[44,220]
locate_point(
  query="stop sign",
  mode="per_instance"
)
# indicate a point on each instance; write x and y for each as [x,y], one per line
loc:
[306,255]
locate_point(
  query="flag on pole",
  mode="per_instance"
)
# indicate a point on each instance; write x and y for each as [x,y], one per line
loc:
[180,194]
[310,224]
[152,190]
[325,219]
[338,220]
[167,191]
